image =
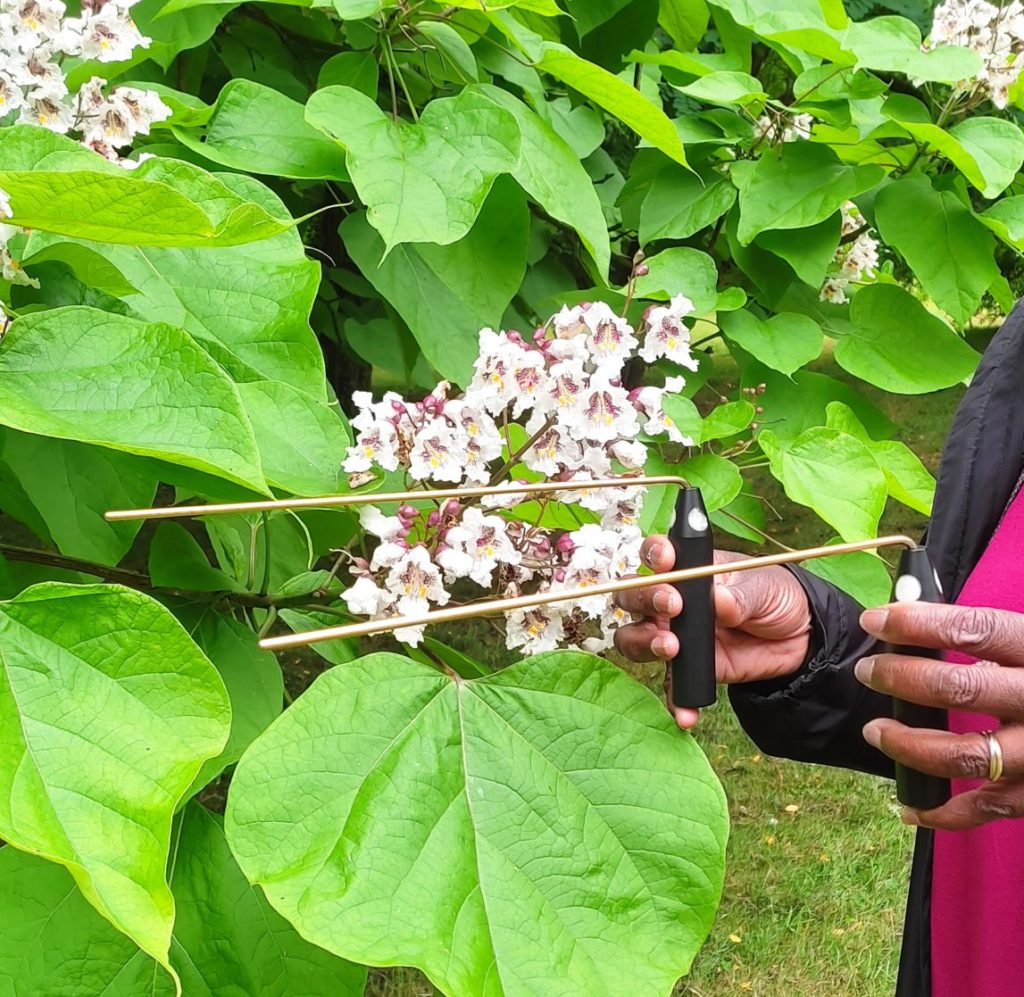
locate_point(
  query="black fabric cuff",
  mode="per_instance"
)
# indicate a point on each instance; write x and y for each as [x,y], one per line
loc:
[816,713]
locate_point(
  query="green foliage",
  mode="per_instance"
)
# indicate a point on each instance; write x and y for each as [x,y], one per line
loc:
[318,816]
[344,195]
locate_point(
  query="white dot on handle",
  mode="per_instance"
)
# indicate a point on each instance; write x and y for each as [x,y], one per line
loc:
[908,589]
[697,520]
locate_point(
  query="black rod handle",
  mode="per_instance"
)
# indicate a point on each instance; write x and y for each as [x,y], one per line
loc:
[693,668]
[916,581]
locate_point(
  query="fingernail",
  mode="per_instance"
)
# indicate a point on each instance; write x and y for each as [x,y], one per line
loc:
[649,555]
[873,620]
[662,602]
[661,647]
[873,735]
[909,817]
[863,670]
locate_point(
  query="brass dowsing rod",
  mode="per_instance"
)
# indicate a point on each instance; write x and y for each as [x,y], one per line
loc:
[381,498]
[545,598]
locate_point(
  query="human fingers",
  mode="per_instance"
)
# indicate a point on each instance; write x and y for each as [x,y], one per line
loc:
[992,801]
[650,640]
[684,716]
[654,600]
[975,688]
[942,753]
[657,553]
[982,633]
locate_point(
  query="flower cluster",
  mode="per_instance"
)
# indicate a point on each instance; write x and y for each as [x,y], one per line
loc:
[552,406]
[856,259]
[995,32]
[778,128]
[35,36]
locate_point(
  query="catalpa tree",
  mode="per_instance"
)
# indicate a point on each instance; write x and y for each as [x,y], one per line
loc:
[299,249]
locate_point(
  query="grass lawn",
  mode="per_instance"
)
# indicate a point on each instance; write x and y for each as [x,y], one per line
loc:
[818,859]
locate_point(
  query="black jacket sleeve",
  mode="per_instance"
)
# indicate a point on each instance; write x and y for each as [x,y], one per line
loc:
[816,714]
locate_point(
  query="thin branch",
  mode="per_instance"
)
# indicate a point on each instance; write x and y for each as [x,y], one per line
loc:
[136,580]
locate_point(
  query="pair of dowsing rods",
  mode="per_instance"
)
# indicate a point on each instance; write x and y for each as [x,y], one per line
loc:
[691,538]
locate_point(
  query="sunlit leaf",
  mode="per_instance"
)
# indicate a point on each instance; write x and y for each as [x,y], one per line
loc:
[414,819]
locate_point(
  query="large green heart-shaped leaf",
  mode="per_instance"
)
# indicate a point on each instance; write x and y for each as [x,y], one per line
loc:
[551,173]
[949,250]
[446,294]
[890,326]
[615,95]
[259,130]
[227,938]
[802,185]
[908,480]
[108,711]
[681,270]
[87,375]
[988,151]
[784,342]
[248,306]
[679,204]
[424,182]
[540,831]
[161,203]
[834,474]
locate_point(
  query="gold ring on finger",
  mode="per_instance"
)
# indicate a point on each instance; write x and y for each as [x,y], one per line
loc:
[995,755]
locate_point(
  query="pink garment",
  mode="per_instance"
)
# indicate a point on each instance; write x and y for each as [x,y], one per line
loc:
[977,917]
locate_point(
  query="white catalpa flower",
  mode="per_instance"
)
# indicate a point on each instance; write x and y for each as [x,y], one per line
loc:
[388,528]
[651,400]
[834,290]
[506,371]
[11,95]
[505,496]
[775,129]
[377,445]
[415,581]
[144,106]
[610,338]
[38,73]
[108,35]
[535,630]
[631,454]
[603,412]
[666,334]
[477,546]
[32,22]
[364,598]
[436,454]
[56,115]
[5,204]
[10,270]
[994,31]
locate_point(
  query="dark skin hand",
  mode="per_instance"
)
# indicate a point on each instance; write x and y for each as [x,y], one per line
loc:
[763,628]
[763,617]
[994,687]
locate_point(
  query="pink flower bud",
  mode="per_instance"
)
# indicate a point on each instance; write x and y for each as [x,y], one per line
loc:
[399,407]
[542,546]
[564,545]
[451,508]
[408,512]
[560,575]
[641,270]
[434,518]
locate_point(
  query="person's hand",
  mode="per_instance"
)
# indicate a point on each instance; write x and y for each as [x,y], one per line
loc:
[996,638]
[763,618]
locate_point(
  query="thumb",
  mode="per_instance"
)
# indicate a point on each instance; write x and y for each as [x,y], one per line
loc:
[767,602]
